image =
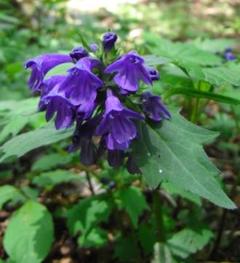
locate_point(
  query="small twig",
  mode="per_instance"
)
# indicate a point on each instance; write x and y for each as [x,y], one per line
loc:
[90,183]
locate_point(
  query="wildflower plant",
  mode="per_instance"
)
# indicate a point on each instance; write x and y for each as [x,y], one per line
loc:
[101,97]
[120,157]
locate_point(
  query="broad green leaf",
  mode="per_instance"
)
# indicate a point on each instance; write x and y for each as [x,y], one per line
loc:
[133,201]
[23,143]
[50,179]
[152,60]
[86,215]
[180,52]
[203,95]
[176,190]
[219,76]
[189,241]
[96,238]
[29,234]
[13,127]
[173,152]
[214,45]
[50,161]
[9,193]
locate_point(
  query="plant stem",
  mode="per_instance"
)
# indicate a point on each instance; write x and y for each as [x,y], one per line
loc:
[158,213]
[90,183]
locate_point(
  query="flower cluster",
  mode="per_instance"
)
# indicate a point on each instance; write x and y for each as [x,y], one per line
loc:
[96,95]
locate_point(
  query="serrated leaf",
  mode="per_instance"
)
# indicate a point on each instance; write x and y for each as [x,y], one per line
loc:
[133,201]
[29,234]
[86,215]
[9,193]
[189,241]
[96,238]
[180,52]
[173,152]
[53,178]
[23,143]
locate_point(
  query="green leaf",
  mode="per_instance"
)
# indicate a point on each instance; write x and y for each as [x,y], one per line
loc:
[126,249]
[173,152]
[189,241]
[51,179]
[23,143]
[202,94]
[13,127]
[214,45]
[96,238]
[133,201]
[50,161]
[162,253]
[9,193]
[180,52]
[60,69]
[29,234]
[176,190]
[86,215]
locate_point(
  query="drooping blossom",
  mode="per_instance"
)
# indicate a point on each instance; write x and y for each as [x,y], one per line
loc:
[108,41]
[56,104]
[82,139]
[78,53]
[41,65]
[130,70]
[154,74]
[117,125]
[154,108]
[81,85]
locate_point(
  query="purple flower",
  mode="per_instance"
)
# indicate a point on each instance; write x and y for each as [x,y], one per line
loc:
[85,110]
[154,108]
[82,138]
[56,104]
[228,54]
[116,124]
[50,83]
[93,47]
[109,39]
[154,75]
[78,53]
[130,70]
[81,85]
[40,66]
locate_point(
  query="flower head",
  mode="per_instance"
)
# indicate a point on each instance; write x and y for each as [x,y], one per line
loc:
[40,66]
[109,39]
[117,125]
[81,85]
[154,108]
[78,53]
[130,71]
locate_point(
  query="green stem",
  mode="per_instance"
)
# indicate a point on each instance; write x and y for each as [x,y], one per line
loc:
[158,213]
